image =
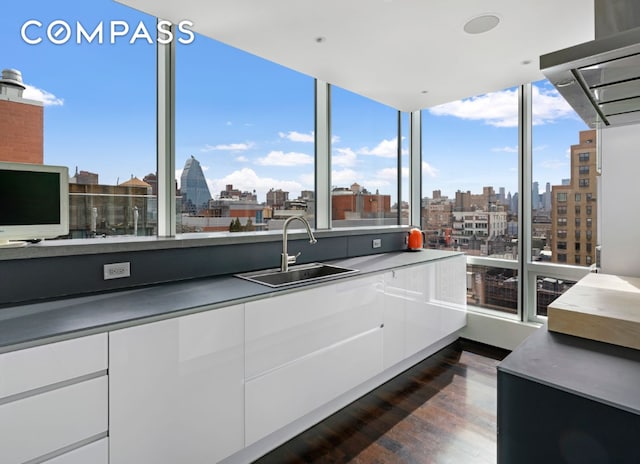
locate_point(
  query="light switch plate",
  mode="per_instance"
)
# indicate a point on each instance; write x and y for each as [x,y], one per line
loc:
[377,243]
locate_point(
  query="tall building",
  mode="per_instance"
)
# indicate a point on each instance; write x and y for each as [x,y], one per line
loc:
[277,198]
[573,211]
[21,122]
[535,196]
[193,188]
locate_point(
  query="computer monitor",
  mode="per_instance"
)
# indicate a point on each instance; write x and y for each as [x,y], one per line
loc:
[34,202]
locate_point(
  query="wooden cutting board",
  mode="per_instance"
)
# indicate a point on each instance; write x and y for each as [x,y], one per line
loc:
[600,307]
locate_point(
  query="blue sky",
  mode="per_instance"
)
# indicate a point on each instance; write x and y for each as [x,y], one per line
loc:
[250,122]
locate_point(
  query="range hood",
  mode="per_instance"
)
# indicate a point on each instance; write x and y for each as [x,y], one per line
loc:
[601,79]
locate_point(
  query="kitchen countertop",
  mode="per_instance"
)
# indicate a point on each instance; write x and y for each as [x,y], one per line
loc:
[44,322]
[602,372]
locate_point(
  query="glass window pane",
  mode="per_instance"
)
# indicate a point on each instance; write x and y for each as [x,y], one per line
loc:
[492,288]
[87,104]
[244,141]
[547,290]
[470,175]
[563,161]
[364,161]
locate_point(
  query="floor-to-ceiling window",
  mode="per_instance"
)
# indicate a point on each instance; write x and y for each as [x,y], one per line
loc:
[244,140]
[470,191]
[364,161]
[88,72]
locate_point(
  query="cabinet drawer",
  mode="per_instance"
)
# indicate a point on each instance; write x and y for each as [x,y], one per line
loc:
[279,397]
[37,367]
[282,329]
[40,424]
[93,453]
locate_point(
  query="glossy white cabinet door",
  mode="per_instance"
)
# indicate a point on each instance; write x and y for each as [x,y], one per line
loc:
[40,366]
[450,293]
[422,320]
[41,424]
[394,318]
[279,397]
[93,453]
[287,327]
[177,389]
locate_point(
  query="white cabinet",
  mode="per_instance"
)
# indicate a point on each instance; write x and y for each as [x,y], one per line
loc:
[52,397]
[424,303]
[306,348]
[176,389]
[93,453]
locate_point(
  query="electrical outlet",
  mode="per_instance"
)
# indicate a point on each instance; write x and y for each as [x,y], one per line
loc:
[377,243]
[117,270]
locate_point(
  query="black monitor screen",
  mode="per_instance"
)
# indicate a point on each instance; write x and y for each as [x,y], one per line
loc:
[29,197]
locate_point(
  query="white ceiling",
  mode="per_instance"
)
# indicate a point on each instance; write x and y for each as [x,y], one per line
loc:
[392,51]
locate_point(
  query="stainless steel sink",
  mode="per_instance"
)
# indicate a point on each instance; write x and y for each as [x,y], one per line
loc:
[299,274]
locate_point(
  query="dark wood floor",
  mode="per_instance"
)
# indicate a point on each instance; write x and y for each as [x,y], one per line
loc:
[441,411]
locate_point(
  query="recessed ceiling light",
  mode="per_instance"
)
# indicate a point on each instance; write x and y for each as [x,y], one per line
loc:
[424,91]
[321,39]
[526,62]
[481,24]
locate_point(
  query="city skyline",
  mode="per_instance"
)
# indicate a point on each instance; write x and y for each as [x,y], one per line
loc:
[250,122]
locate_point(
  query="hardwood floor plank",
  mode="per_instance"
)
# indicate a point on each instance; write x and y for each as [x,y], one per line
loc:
[443,410]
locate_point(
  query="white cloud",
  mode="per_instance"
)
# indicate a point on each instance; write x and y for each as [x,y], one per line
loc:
[279,158]
[385,149]
[297,136]
[505,149]
[335,138]
[242,159]
[246,179]
[391,174]
[47,98]
[345,177]
[548,106]
[178,176]
[344,157]
[228,147]
[429,170]
[500,109]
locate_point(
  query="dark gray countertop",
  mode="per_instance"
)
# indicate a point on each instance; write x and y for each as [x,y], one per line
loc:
[38,323]
[598,371]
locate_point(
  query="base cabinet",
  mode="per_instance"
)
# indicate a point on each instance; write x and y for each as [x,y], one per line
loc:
[306,348]
[176,389]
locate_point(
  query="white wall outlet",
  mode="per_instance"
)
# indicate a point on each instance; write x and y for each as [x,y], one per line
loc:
[377,243]
[117,270]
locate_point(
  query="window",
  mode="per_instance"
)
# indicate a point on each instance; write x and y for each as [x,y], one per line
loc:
[583,183]
[589,210]
[492,288]
[562,222]
[583,157]
[364,157]
[589,260]
[562,257]
[577,209]
[562,210]
[562,245]
[577,246]
[589,222]
[562,196]
[578,198]
[562,234]
[577,259]
[589,248]
[547,290]
[110,153]
[245,146]
[577,235]
[469,185]
[589,196]
[577,222]
[583,170]
[589,235]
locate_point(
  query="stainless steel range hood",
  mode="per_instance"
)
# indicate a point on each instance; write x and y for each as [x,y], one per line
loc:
[601,79]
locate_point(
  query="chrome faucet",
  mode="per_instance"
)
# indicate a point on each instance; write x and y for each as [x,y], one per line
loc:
[285,259]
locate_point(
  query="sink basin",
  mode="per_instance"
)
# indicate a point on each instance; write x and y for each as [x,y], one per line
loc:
[302,273]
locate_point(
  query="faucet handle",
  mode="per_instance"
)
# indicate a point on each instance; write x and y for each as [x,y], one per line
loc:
[292,259]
